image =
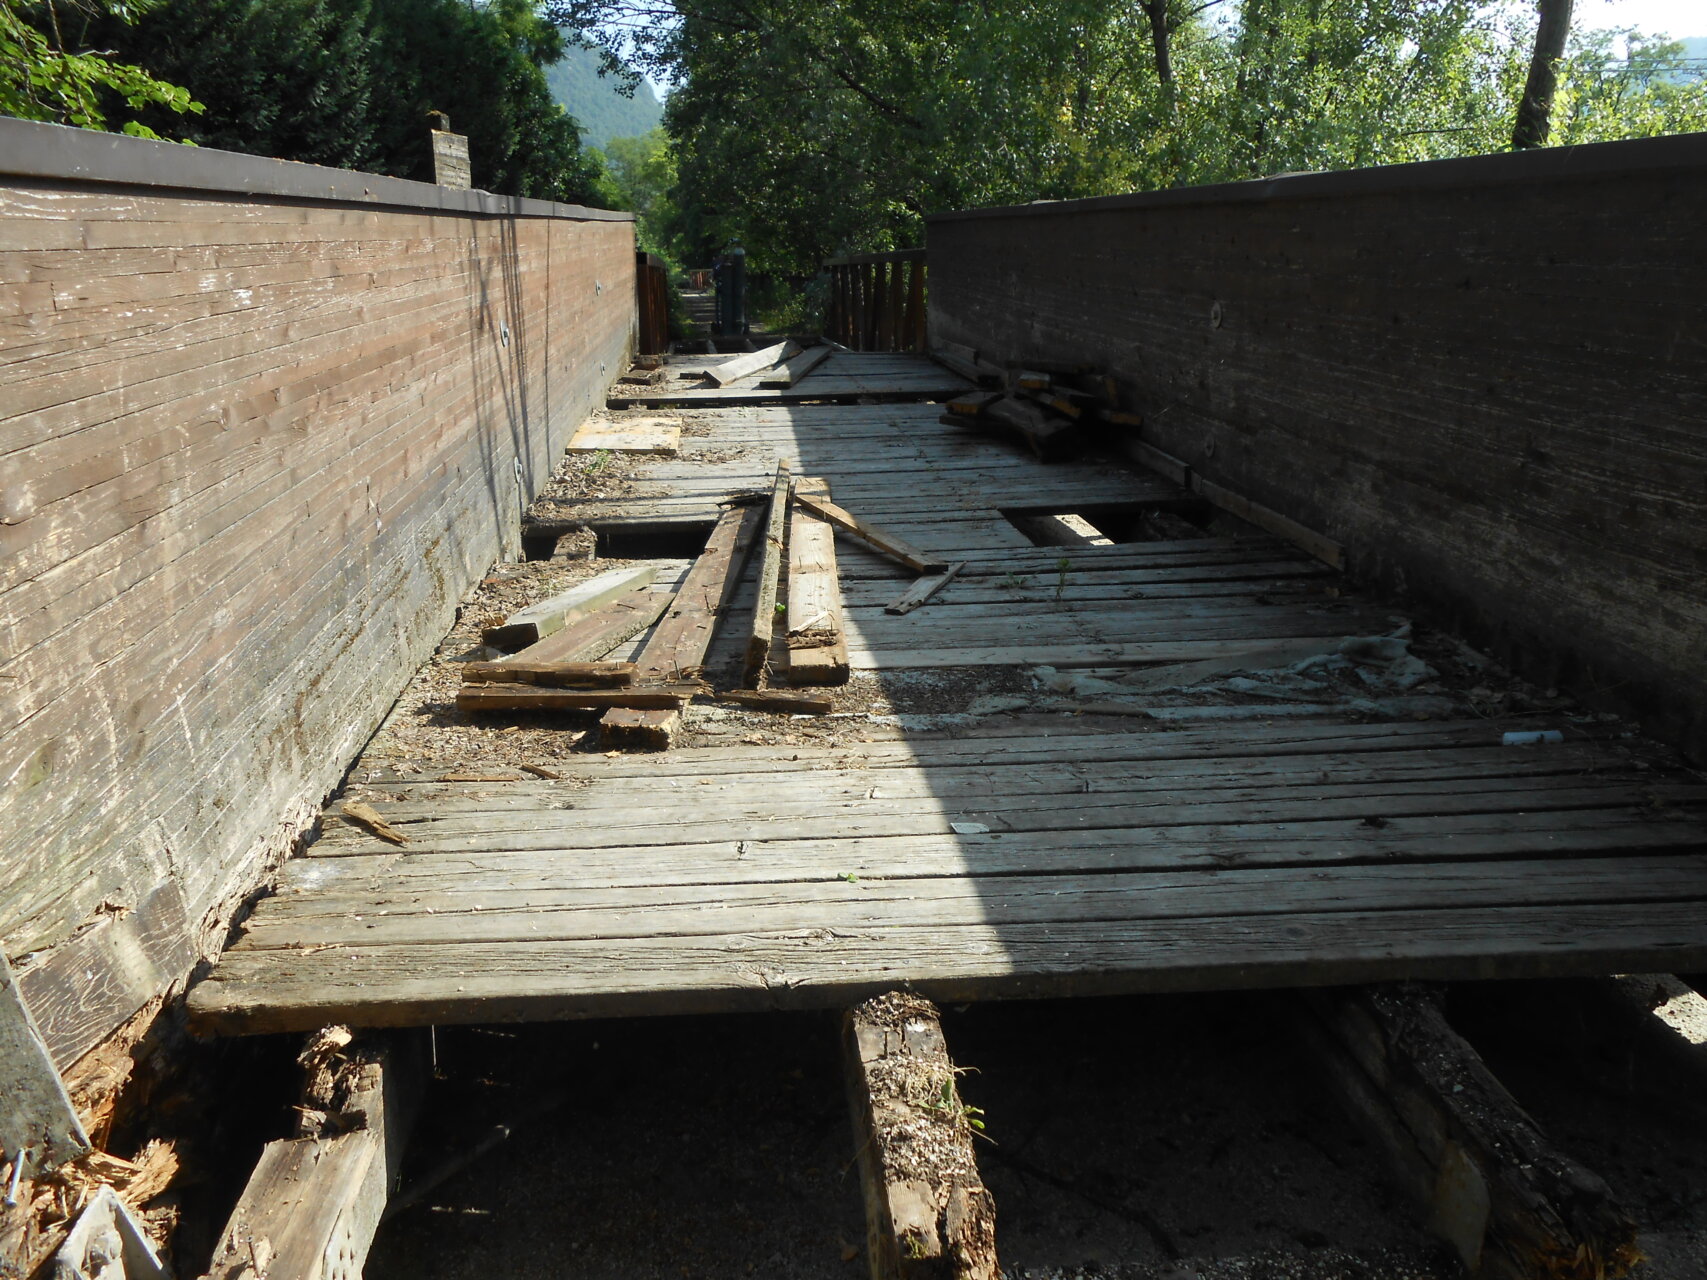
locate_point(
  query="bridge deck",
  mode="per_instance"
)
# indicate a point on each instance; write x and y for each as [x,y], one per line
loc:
[1209,844]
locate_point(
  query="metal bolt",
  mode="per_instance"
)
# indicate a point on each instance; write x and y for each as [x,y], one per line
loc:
[17,1176]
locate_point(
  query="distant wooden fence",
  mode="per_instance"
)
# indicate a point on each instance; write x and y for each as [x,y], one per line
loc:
[877,301]
[652,285]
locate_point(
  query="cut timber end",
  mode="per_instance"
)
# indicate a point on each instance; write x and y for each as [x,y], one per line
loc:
[927,1211]
[1492,1186]
[36,1115]
[924,589]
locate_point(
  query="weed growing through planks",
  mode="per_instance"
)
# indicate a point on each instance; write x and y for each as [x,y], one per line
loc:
[599,458]
[1015,581]
[947,1104]
[1061,567]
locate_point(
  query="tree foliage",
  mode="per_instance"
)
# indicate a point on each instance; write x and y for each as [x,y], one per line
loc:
[42,79]
[351,83]
[804,130]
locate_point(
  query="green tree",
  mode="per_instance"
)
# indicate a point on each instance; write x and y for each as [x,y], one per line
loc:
[42,79]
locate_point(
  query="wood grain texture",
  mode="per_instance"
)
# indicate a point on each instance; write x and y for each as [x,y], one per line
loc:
[1488,390]
[264,448]
[36,1115]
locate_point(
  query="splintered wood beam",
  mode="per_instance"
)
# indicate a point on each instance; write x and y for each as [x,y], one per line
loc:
[676,648]
[924,588]
[525,697]
[529,625]
[817,648]
[312,1206]
[1491,1184]
[557,675]
[39,1127]
[798,367]
[595,635]
[870,536]
[782,701]
[927,1212]
[734,370]
[770,576]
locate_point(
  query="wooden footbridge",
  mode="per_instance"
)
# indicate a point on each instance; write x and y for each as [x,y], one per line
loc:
[996,854]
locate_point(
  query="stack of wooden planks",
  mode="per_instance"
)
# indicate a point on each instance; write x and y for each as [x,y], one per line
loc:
[1041,405]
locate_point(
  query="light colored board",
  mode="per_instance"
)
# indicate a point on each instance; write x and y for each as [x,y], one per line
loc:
[727,371]
[38,1124]
[896,907]
[797,367]
[922,591]
[532,624]
[661,436]
[592,637]
[257,991]
[876,539]
[817,652]
[375,880]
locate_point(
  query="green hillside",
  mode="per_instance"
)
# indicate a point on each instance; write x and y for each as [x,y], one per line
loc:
[595,103]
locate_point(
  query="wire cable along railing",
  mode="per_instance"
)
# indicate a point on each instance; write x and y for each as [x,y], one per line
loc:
[877,301]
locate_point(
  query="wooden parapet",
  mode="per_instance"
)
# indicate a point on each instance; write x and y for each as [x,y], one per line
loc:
[1510,1204]
[314,1201]
[927,1212]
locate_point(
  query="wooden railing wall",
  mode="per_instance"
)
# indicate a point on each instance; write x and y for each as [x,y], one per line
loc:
[877,301]
[262,426]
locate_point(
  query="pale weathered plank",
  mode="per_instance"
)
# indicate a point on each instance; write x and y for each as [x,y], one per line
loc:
[661,436]
[260,991]
[38,1125]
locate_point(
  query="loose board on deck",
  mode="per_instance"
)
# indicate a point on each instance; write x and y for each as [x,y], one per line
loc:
[629,435]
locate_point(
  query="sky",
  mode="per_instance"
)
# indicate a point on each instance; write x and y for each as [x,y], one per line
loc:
[1675,18]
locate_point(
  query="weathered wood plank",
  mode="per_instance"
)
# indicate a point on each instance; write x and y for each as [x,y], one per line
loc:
[564,675]
[817,647]
[592,637]
[796,368]
[676,648]
[532,624]
[724,372]
[772,555]
[488,982]
[38,1125]
[313,1203]
[928,1215]
[868,536]
[479,698]
[662,436]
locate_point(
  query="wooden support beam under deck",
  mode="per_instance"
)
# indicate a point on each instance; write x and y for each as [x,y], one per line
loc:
[928,1215]
[314,1201]
[1490,1183]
